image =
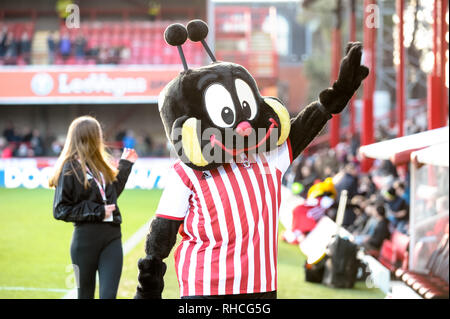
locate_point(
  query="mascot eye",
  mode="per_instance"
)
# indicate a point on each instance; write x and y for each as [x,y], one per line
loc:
[246,98]
[219,105]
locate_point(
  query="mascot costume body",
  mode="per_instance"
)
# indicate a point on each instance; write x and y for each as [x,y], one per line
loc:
[223,194]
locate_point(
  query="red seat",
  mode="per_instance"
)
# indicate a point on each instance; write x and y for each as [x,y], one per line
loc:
[431,285]
[426,285]
[394,251]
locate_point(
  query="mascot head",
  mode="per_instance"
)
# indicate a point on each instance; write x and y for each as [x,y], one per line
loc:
[215,113]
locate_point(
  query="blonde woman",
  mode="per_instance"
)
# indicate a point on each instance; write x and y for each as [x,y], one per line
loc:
[87,188]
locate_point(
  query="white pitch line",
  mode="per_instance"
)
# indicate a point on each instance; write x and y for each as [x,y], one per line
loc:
[136,238]
[127,247]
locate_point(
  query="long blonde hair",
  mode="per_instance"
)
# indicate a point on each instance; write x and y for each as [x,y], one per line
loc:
[84,143]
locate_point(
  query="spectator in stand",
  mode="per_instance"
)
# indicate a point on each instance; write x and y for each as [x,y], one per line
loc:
[366,186]
[102,57]
[384,173]
[348,180]
[65,47]
[141,147]
[369,227]
[125,54]
[11,49]
[92,52]
[388,168]
[3,36]
[22,150]
[27,135]
[113,56]
[25,47]
[120,135]
[398,210]
[411,127]
[306,177]
[401,190]
[162,149]
[149,142]
[324,165]
[357,205]
[80,47]
[342,150]
[9,133]
[6,149]
[48,139]
[381,230]
[51,47]
[57,145]
[3,144]
[354,144]
[383,133]
[37,143]
[328,172]
[331,160]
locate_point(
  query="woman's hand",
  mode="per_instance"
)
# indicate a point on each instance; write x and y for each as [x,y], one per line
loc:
[129,154]
[109,210]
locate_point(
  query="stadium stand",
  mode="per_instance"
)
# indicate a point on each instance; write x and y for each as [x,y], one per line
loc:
[122,43]
[15,43]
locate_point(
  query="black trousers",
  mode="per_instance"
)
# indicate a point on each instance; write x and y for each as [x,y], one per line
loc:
[97,246]
[260,295]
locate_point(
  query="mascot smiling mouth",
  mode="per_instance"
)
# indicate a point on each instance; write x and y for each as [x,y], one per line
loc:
[235,152]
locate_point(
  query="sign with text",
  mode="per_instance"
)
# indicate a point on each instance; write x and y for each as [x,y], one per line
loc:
[147,173]
[83,84]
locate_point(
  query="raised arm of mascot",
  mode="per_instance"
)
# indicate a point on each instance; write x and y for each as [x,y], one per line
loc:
[303,129]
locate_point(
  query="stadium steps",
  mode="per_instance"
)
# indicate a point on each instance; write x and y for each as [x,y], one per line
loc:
[39,53]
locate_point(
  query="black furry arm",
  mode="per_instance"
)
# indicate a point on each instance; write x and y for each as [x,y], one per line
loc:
[160,240]
[306,125]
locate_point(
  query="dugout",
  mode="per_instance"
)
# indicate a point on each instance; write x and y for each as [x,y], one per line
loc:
[427,272]
[425,259]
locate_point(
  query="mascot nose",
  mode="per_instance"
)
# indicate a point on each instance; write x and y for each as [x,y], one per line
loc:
[244,128]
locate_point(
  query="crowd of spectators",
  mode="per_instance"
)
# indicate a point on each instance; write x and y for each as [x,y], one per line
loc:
[31,143]
[378,201]
[15,47]
[120,42]
[26,143]
[64,49]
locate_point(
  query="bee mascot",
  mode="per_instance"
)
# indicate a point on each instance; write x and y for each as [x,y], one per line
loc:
[223,193]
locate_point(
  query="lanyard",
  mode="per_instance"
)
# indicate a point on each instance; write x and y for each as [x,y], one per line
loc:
[101,186]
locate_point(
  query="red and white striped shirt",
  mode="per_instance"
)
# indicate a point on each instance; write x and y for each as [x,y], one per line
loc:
[230,230]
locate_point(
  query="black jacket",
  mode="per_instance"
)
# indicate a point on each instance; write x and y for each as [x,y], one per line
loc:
[380,233]
[74,203]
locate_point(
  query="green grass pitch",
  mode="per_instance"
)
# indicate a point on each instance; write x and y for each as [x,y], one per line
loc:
[35,260]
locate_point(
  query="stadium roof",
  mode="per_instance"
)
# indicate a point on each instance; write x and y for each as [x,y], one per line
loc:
[434,155]
[391,149]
